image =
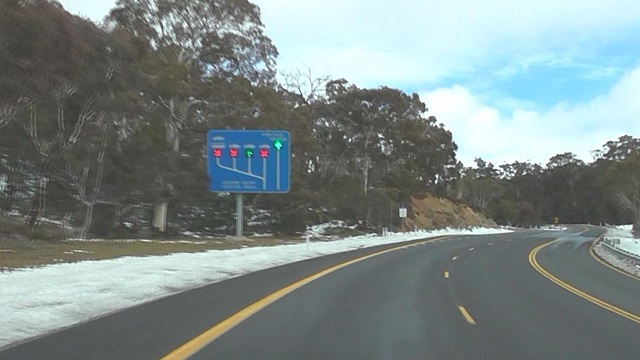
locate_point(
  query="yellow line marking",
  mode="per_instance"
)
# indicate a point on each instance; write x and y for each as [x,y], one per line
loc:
[446,274]
[454,258]
[466,315]
[471,249]
[601,261]
[196,344]
[616,310]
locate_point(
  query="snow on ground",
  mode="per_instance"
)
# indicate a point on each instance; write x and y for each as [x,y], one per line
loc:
[37,301]
[627,244]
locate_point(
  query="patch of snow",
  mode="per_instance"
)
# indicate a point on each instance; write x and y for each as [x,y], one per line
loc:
[39,300]
[261,235]
[621,263]
[78,252]
[317,230]
[554,228]
[622,239]
[139,240]
[191,234]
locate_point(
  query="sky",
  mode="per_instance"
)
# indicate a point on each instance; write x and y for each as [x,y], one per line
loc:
[514,80]
[39,300]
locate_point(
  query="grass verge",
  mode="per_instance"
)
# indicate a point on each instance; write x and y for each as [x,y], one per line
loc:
[23,247]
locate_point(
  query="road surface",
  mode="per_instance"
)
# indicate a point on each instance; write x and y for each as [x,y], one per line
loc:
[523,295]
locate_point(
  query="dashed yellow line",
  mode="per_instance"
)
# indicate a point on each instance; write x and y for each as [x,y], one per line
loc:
[446,274]
[601,303]
[466,315]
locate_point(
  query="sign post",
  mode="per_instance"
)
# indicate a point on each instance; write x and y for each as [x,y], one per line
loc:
[248,161]
[402,212]
[239,214]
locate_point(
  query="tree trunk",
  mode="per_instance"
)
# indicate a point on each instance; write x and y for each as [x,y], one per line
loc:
[160,217]
[88,218]
[38,204]
[160,210]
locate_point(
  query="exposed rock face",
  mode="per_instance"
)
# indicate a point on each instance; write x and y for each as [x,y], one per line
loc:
[432,212]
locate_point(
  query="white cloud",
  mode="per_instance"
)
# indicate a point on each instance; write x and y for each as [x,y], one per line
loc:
[395,43]
[432,40]
[483,131]
[373,42]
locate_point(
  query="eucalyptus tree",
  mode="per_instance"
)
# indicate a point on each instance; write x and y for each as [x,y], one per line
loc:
[380,139]
[563,174]
[53,64]
[195,43]
[622,178]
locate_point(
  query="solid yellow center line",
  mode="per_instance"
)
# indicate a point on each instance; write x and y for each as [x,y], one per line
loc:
[446,274]
[601,303]
[466,315]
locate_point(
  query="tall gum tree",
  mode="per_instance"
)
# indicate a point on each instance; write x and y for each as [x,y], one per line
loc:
[380,133]
[49,64]
[200,41]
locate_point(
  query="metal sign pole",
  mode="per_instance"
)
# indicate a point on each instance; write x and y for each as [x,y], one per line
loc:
[239,214]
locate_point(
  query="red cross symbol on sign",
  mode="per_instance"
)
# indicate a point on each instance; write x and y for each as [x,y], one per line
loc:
[233,152]
[217,152]
[264,153]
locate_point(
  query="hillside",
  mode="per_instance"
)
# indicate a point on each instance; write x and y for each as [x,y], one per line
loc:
[432,212]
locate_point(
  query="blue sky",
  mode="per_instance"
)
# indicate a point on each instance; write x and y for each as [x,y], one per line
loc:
[513,80]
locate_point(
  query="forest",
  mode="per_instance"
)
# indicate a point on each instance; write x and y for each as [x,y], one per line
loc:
[103,129]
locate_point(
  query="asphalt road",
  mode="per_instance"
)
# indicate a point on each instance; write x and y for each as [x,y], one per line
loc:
[477,297]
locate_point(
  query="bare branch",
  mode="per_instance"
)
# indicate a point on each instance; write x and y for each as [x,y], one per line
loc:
[304,85]
[7,114]
[85,114]
[630,200]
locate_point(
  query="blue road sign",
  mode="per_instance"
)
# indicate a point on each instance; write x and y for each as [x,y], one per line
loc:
[248,161]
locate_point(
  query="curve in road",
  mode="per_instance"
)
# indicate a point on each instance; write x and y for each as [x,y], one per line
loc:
[467,297]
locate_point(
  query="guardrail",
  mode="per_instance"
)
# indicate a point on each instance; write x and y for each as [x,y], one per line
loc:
[612,243]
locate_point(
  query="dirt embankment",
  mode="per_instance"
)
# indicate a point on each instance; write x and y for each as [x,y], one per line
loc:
[431,212]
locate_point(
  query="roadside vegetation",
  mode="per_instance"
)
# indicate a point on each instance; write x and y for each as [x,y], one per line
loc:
[102,131]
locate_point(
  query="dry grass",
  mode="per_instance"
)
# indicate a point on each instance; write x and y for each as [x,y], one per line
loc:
[24,247]
[21,254]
